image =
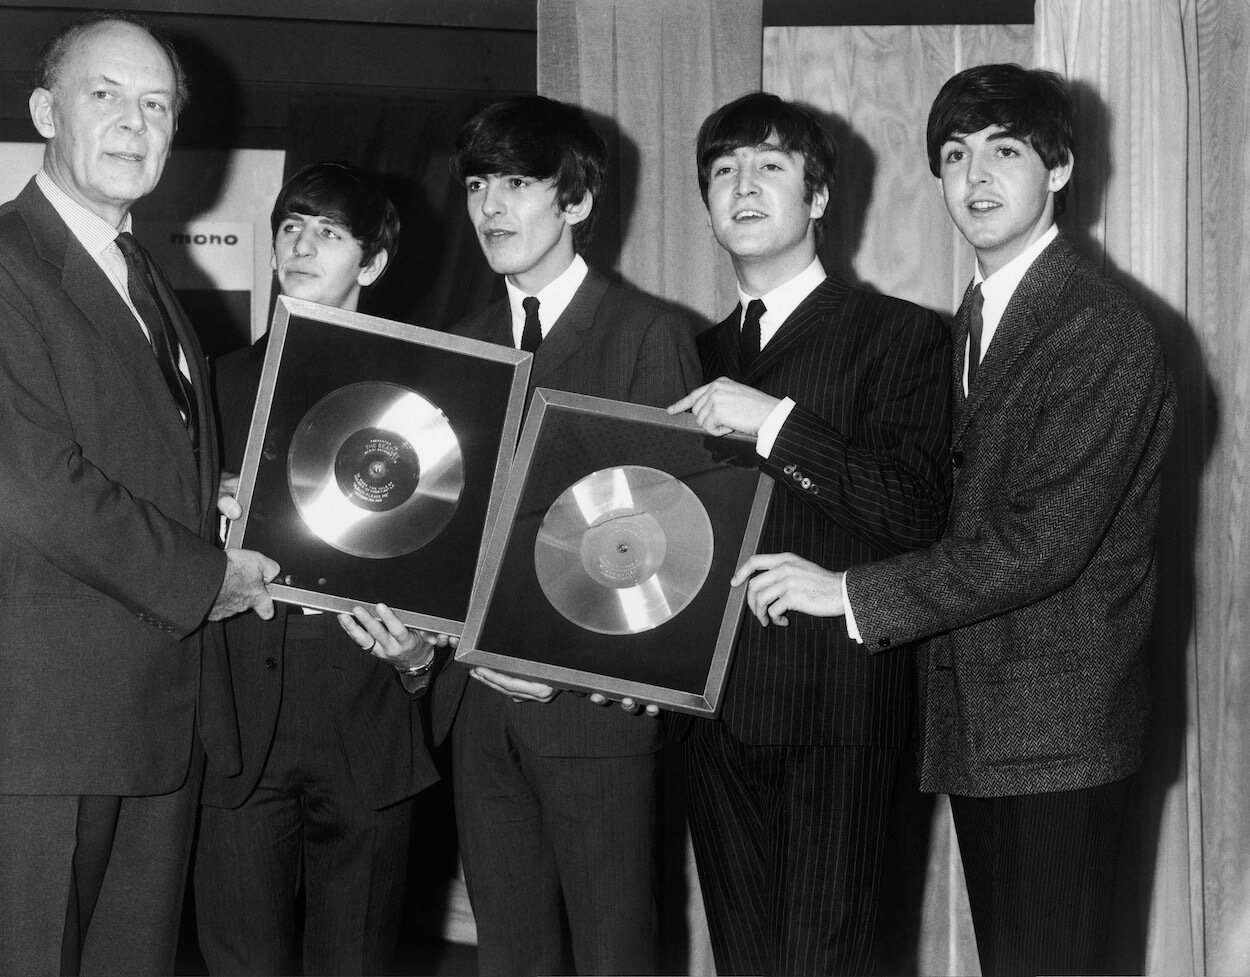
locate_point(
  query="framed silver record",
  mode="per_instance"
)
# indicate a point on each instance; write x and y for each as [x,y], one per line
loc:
[377,456]
[608,567]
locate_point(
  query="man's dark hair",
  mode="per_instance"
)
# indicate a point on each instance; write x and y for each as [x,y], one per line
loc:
[1030,104]
[345,194]
[540,138]
[762,117]
[52,57]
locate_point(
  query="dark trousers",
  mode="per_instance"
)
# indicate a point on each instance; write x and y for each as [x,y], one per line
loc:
[304,826]
[789,842]
[551,844]
[1040,870]
[92,884]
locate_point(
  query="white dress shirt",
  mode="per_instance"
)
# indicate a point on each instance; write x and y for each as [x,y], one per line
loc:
[778,304]
[553,298]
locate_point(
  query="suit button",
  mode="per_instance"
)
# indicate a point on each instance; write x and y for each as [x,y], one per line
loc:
[806,483]
[789,469]
[271,663]
[883,642]
[957,459]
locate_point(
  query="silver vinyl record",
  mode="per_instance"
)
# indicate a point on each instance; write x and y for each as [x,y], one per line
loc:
[375,470]
[623,550]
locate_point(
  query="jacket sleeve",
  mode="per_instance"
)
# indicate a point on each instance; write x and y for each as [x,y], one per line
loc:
[1087,454]
[888,481]
[83,521]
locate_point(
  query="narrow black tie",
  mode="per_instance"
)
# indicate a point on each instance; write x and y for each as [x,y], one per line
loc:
[749,339]
[147,301]
[974,336]
[532,333]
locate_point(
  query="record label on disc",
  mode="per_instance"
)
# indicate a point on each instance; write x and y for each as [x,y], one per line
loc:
[623,550]
[375,470]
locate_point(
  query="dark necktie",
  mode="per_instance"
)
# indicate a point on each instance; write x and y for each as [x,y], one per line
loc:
[749,339]
[532,333]
[147,301]
[974,336]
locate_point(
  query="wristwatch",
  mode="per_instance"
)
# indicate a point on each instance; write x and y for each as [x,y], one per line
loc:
[417,670]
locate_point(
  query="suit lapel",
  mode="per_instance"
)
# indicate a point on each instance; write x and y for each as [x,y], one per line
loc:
[1017,330]
[819,308]
[568,333]
[103,309]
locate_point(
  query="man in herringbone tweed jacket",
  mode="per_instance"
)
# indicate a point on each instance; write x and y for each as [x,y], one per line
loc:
[1038,598]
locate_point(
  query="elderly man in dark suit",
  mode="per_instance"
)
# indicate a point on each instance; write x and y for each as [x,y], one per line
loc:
[846,394]
[554,794]
[1040,593]
[107,569]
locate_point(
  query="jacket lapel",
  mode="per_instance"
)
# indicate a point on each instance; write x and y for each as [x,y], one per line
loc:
[813,312]
[1019,327]
[104,310]
[568,333]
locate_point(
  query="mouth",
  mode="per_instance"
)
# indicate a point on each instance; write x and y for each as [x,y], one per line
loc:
[128,157]
[983,206]
[744,216]
[493,235]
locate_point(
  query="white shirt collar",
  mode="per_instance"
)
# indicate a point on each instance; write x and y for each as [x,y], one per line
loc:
[998,289]
[92,231]
[553,298]
[1001,285]
[782,300]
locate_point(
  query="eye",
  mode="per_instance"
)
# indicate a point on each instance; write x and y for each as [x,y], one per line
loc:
[331,233]
[101,95]
[1007,150]
[288,227]
[519,182]
[953,156]
[473,185]
[723,169]
[156,106]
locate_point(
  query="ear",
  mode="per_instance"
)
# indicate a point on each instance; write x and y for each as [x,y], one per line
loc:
[1060,175]
[41,112]
[372,270]
[578,212]
[273,259]
[820,200]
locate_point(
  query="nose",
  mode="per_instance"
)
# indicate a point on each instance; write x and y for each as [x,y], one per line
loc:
[131,117]
[745,184]
[305,242]
[978,172]
[492,200]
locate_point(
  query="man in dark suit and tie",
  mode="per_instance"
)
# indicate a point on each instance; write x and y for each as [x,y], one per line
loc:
[330,724]
[554,794]
[1038,598]
[846,394]
[107,566]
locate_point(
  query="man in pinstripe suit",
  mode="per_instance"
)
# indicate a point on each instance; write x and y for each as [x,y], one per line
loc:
[1040,594]
[846,393]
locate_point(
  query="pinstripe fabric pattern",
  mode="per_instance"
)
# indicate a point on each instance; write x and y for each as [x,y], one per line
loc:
[1040,870]
[861,467]
[1041,592]
[789,894]
[791,786]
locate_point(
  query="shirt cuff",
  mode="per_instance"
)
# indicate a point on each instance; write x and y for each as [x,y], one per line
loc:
[852,629]
[771,427]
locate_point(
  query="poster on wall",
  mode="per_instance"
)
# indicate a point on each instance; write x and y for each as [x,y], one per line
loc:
[210,265]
